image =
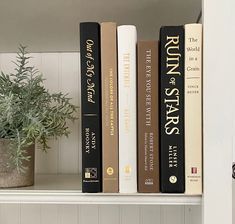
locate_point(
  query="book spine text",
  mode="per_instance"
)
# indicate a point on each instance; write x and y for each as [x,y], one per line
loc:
[172,109]
[91,107]
[109,107]
[127,38]
[148,117]
[193,109]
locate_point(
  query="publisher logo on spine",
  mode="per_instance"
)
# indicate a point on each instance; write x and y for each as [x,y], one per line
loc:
[110,171]
[91,173]
[194,170]
[173,179]
[127,169]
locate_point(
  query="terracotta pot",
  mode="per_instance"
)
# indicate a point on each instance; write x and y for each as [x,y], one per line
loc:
[9,176]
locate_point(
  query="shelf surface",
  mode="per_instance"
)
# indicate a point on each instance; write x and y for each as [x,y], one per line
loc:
[47,26]
[66,189]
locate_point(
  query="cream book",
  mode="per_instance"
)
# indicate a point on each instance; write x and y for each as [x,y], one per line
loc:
[127,40]
[193,109]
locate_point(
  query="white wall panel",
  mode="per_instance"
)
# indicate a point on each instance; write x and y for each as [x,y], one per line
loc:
[67,214]
[88,214]
[109,214]
[150,214]
[10,214]
[50,70]
[68,76]
[30,214]
[6,62]
[47,162]
[193,214]
[130,214]
[102,214]
[233,202]
[172,214]
[49,214]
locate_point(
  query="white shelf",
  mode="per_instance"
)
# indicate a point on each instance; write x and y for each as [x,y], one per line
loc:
[66,189]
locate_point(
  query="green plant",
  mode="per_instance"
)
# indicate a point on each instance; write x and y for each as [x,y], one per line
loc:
[28,112]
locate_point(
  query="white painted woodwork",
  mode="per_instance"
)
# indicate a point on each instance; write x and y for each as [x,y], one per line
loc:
[67,214]
[33,210]
[218,21]
[233,198]
[10,213]
[230,56]
[113,212]
[89,214]
[66,189]
[130,214]
[49,214]
[150,214]
[59,34]
[172,214]
[192,214]
[92,214]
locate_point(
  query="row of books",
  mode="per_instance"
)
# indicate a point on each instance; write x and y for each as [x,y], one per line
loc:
[141,109]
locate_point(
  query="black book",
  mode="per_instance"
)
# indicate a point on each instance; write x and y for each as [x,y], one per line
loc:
[91,107]
[172,109]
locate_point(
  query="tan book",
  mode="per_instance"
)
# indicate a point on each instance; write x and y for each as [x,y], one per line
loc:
[109,107]
[193,109]
[148,117]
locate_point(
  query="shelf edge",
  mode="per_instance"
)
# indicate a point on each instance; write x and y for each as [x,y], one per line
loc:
[98,199]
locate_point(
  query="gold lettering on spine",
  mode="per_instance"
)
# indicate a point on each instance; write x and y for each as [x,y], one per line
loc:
[111,102]
[126,73]
[148,87]
[173,156]
[90,71]
[172,94]
[126,60]
[172,47]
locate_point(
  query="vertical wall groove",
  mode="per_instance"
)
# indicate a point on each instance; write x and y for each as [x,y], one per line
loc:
[59,88]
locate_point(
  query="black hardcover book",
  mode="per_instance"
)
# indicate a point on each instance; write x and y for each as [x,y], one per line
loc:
[91,107]
[172,109]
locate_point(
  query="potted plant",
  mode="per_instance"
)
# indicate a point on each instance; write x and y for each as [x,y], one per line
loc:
[29,113]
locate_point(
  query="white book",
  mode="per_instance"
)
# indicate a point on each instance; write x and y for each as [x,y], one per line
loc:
[127,40]
[193,109]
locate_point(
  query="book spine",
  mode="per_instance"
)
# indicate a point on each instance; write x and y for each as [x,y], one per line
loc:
[127,38]
[91,107]
[148,117]
[172,109]
[193,109]
[109,107]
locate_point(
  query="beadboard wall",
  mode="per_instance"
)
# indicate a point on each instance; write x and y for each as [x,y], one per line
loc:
[61,71]
[103,214]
